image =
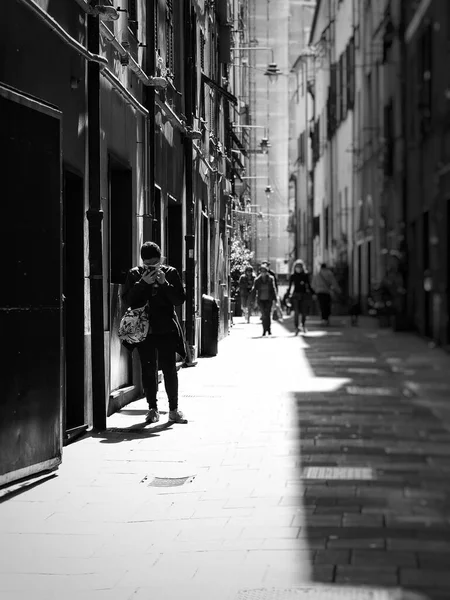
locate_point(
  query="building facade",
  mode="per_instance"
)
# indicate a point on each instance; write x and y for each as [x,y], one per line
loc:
[117,132]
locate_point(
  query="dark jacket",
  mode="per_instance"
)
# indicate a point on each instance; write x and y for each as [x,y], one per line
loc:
[246,284]
[301,283]
[162,316]
[257,288]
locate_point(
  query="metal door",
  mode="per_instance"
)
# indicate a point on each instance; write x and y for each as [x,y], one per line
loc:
[30,294]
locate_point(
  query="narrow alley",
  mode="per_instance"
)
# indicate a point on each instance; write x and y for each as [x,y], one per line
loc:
[312,466]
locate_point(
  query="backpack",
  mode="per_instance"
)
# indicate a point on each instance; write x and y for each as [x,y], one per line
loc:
[134,325]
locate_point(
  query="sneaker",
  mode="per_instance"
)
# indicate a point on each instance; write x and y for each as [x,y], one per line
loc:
[152,416]
[177,416]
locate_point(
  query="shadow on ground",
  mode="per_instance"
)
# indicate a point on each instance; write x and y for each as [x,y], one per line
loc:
[373,471]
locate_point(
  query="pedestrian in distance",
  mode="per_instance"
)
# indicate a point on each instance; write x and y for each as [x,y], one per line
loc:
[264,291]
[354,310]
[246,281]
[266,263]
[325,285]
[159,288]
[299,282]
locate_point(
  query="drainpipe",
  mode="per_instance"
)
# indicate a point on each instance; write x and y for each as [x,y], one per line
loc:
[404,156]
[54,26]
[150,65]
[189,75]
[94,216]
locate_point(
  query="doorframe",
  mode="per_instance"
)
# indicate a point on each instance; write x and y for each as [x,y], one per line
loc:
[70,435]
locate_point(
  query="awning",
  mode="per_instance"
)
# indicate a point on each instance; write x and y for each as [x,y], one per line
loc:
[236,158]
[220,89]
[238,143]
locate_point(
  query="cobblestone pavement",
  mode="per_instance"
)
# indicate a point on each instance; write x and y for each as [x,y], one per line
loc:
[312,467]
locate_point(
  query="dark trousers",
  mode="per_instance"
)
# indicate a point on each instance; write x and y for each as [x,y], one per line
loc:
[158,351]
[325,305]
[300,304]
[265,306]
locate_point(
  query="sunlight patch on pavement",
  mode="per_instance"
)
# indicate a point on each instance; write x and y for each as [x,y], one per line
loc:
[360,359]
[322,384]
[328,592]
[357,390]
[321,333]
[341,473]
[365,371]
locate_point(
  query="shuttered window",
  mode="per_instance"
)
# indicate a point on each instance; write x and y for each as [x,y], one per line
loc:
[133,16]
[169,37]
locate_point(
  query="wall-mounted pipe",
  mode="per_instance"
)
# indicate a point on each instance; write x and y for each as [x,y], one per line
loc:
[85,6]
[171,114]
[115,82]
[50,22]
[132,64]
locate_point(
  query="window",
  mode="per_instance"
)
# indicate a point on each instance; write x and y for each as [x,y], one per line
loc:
[344,84]
[202,51]
[351,74]
[331,104]
[338,93]
[132,17]
[301,148]
[425,78]
[389,139]
[169,37]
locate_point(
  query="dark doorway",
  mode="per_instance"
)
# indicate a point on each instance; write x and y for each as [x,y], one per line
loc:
[174,240]
[426,274]
[204,254]
[30,301]
[448,271]
[369,268]
[360,273]
[121,216]
[121,224]
[73,290]
[156,225]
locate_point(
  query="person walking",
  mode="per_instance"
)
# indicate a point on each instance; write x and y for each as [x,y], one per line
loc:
[158,287]
[264,291]
[299,281]
[325,284]
[266,263]
[246,281]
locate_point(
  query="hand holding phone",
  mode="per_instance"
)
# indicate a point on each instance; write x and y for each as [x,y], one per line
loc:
[149,275]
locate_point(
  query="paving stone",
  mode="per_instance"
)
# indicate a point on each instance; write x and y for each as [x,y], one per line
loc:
[374,576]
[323,573]
[372,558]
[352,543]
[434,560]
[354,520]
[332,557]
[418,545]
[425,578]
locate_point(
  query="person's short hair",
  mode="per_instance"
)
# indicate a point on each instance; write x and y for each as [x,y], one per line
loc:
[248,268]
[150,250]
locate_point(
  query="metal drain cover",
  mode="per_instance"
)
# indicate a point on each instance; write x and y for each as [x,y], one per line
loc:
[170,481]
[319,592]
